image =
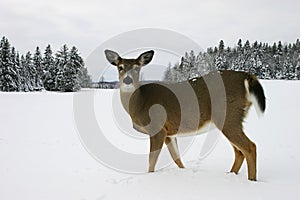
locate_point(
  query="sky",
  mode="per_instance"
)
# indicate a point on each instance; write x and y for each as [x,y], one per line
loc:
[88,24]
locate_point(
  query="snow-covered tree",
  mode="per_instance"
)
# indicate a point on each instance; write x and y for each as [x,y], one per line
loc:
[267,62]
[68,79]
[168,74]
[61,61]
[62,56]
[220,60]
[85,79]
[23,75]
[50,70]
[35,72]
[221,47]
[37,64]
[15,59]
[8,74]
[30,72]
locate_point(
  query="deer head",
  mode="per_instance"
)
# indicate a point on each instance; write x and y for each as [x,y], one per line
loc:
[129,69]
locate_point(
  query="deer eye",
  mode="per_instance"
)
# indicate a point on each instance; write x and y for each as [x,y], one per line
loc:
[136,69]
[121,68]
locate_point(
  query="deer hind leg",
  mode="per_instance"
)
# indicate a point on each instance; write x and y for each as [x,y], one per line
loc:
[156,144]
[246,146]
[239,158]
[171,143]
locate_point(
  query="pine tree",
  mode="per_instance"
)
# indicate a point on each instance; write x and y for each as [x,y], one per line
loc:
[183,68]
[288,68]
[62,56]
[274,48]
[168,74]
[37,64]
[193,66]
[61,61]
[255,60]
[30,72]
[246,62]
[237,59]
[176,73]
[50,70]
[8,75]
[279,49]
[220,60]
[206,64]
[221,47]
[18,70]
[276,72]
[240,45]
[259,56]
[82,72]
[297,45]
[23,75]
[85,79]
[73,71]
[15,66]
[68,79]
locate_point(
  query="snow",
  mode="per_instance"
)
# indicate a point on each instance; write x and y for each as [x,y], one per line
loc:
[42,156]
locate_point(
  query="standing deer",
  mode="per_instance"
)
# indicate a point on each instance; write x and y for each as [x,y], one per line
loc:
[241,89]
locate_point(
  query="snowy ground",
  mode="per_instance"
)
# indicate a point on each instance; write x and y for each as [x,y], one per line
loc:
[42,157]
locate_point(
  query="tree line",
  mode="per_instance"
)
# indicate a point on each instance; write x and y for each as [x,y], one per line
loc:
[277,61]
[64,71]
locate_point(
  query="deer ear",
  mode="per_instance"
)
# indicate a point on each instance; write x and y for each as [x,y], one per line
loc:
[112,57]
[145,58]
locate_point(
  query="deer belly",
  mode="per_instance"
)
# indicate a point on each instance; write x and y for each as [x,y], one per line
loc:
[206,127]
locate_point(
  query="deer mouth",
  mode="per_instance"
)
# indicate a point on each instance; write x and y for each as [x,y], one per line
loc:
[126,85]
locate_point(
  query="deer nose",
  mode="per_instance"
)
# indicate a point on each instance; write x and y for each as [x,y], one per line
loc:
[127,80]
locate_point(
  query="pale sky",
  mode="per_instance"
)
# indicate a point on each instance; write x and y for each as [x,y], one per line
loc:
[87,24]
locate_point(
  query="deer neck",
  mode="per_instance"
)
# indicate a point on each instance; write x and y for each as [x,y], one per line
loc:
[126,94]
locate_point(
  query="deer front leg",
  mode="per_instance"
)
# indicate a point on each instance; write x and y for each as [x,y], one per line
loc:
[156,144]
[171,143]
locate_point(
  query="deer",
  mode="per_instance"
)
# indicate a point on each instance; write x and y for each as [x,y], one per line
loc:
[241,89]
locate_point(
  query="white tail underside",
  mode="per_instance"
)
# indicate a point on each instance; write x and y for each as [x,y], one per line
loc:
[252,98]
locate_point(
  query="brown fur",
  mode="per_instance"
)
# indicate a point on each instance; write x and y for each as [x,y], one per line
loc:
[226,109]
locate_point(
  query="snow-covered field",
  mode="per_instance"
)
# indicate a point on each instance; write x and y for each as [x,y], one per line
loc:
[42,157]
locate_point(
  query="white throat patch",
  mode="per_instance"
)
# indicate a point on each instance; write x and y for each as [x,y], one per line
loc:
[127,88]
